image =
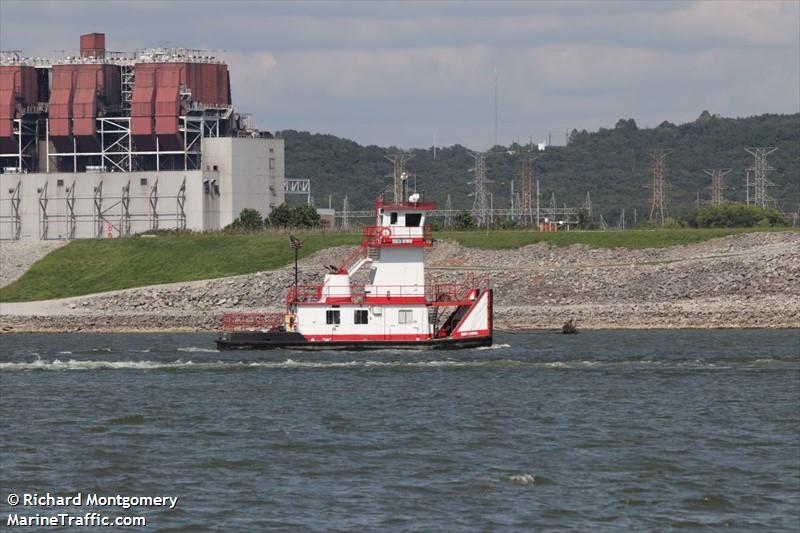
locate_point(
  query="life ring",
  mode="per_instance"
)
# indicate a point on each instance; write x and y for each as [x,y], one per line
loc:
[386,232]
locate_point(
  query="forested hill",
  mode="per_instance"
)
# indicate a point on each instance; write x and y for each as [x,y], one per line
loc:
[612,164]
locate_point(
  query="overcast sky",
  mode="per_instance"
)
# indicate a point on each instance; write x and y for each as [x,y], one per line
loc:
[399,73]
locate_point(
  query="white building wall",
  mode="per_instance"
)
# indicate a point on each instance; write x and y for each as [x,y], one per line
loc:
[197,203]
[237,173]
[400,271]
[251,173]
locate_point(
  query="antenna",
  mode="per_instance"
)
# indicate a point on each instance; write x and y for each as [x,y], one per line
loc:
[495,109]
[399,173]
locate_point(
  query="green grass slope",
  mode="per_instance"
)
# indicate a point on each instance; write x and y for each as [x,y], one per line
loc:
[89,266]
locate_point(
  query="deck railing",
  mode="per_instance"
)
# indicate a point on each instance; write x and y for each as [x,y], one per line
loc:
[433,293]
[252,321]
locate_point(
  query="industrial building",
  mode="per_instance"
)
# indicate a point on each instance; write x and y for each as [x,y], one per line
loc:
[110,144]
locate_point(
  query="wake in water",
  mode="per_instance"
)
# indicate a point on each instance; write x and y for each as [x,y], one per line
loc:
[180,364]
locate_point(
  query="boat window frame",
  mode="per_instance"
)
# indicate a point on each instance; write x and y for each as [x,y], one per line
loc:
[333,317]
[405,316]
[363,314]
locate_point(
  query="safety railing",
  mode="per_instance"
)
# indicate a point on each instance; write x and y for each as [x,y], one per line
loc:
[398,235]
[252,321]
[434,293]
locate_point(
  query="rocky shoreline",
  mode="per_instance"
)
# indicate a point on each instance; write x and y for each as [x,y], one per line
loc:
[743,281]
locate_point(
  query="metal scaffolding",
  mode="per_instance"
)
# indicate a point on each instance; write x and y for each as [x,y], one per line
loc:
[298,186]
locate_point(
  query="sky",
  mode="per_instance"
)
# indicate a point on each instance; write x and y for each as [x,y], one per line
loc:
[409,73]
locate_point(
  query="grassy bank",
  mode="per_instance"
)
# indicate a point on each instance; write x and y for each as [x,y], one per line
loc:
[90,266]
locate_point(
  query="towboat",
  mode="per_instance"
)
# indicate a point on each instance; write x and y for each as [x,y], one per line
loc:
[393,308]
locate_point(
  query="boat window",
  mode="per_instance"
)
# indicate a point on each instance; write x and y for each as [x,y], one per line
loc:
[393,218]
[413,219]
[361,316]
[405,316]
[332,316]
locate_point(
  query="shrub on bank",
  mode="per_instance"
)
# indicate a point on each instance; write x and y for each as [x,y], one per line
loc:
[736,216]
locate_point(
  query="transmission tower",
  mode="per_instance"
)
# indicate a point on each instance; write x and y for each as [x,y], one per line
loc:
[658,207]
[399,175]
[587,205]
[480,204]
[526,179]
[553,206]
[448,212]
[716,183]
[760,169]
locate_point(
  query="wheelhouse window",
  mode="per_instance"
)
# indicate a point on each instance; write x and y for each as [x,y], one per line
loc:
[393,217]
[405,316]
[361,316]
[332,316]
[413,220]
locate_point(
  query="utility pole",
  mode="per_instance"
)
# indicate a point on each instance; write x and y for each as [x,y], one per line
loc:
[717,174]
[760,169]
[511,204]
[345,213]
[747,186]
[658,207]
[448,213]
[537,204]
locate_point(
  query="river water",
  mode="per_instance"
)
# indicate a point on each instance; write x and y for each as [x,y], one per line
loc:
[634,430]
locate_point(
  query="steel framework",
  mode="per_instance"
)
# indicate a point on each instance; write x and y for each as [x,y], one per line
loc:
[25,132]
[299,186]
[760,168]
[480,195]
[658,206]
[717,175]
